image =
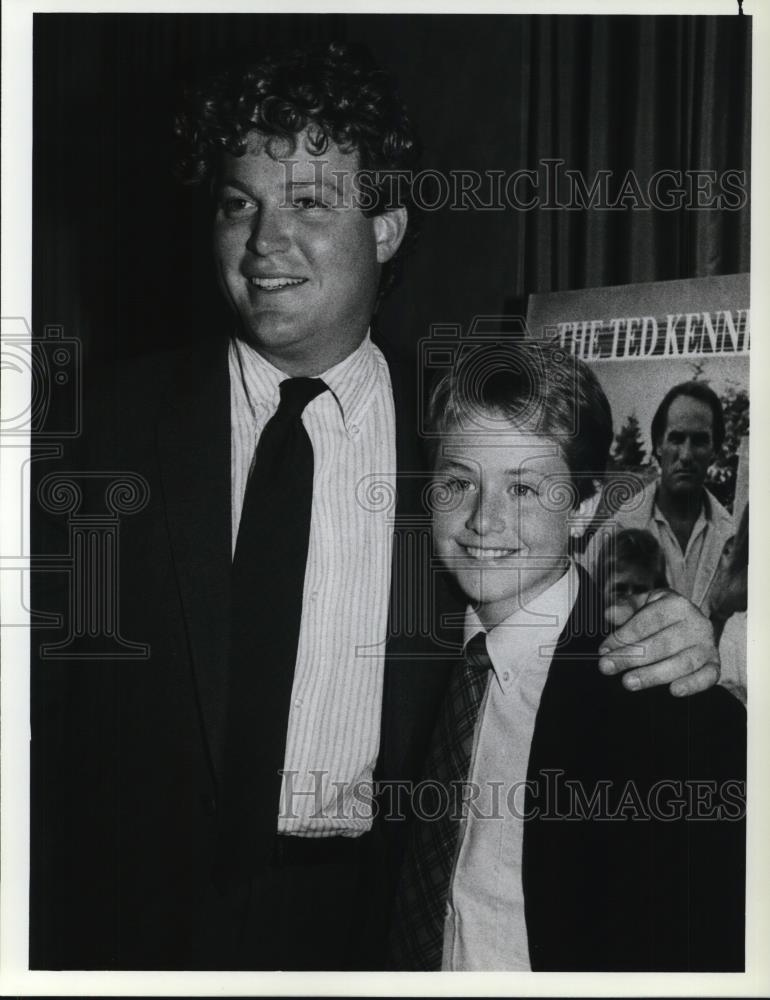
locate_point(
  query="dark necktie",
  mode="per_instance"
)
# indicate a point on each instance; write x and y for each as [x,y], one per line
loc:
[418,926]
[268,577]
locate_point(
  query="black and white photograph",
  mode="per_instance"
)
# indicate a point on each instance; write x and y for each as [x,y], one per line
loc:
[377,594]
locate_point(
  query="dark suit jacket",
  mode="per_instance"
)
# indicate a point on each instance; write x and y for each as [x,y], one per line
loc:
[633,853]
[623,890]
[126,753]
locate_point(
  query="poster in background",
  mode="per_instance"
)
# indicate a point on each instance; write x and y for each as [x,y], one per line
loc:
[642,340]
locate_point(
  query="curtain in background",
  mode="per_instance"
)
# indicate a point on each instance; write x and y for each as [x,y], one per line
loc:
[643,94]
[121,255]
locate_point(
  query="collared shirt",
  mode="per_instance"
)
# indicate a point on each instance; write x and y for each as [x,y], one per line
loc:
[334,721]
[485,927]
[690,573]
[681,567]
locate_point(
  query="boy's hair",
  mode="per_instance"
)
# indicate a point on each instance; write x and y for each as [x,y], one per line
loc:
[632,547]
[694,390]
[334,90]
[537,386]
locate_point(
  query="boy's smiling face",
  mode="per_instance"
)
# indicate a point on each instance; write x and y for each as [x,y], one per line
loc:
[502,518]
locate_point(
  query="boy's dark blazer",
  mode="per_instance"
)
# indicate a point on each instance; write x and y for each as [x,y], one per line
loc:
[632,893]
[126,752]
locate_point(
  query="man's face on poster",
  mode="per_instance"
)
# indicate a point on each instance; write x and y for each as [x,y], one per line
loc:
[687,447]
[297,258]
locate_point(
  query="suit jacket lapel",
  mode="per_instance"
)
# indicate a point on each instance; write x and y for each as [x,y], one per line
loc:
[415,669]
[569,735]
[573,674]
[194,452]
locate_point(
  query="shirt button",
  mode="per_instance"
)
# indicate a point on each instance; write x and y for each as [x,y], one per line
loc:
[298,703]
[355,429]
[314,596]
[506,676]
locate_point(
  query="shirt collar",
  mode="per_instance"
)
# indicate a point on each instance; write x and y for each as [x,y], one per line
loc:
[252,378]
[526,639]
[702,521]
[351,381]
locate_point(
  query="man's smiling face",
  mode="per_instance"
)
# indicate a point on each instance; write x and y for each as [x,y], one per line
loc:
[296,257]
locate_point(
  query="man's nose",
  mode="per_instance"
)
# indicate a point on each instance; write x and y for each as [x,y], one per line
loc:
[486,517]
[685,450]
[269,231]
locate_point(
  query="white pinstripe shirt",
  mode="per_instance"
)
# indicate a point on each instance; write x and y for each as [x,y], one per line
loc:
[334,721]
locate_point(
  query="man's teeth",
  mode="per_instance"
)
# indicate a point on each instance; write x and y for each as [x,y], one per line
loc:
[477,553]
[268,284]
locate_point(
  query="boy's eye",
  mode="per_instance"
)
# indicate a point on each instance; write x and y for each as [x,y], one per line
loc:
[522,490]
[458,484]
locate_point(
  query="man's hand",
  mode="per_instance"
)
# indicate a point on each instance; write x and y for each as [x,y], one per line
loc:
[667,641]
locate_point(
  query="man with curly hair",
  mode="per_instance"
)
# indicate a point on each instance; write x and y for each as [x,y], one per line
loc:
[212,806]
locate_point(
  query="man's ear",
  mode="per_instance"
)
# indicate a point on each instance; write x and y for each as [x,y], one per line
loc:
[389,230]
[584,513]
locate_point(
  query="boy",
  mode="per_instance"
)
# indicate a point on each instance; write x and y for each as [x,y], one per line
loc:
[576,827]
[630,564]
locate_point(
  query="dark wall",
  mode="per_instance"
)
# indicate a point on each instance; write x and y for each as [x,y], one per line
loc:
[121,252]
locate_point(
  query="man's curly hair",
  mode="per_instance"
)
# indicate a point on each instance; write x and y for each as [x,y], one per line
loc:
[336,92]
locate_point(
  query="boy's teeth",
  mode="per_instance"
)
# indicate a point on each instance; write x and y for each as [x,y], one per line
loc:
[477,553]
[269,283]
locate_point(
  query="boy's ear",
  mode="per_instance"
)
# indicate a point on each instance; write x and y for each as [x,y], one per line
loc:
[585,511]
[389,230]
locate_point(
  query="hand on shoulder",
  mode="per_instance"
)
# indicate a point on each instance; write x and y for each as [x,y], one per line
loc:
[667,641]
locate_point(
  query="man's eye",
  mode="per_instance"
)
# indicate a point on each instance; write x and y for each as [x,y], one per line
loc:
[234,206]
[308,202]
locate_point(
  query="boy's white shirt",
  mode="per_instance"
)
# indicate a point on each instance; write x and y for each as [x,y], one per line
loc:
[485,928]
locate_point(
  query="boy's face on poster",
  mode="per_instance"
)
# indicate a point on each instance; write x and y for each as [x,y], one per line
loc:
[625,592]
[296,257]
[502,517]
[687,447]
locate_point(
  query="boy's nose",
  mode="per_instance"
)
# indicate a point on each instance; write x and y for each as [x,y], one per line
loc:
[486,517]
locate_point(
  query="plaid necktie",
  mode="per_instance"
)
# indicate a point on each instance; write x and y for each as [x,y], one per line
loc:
[418,926]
